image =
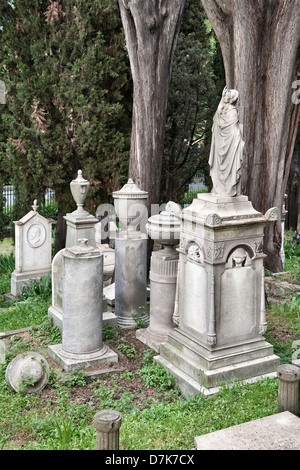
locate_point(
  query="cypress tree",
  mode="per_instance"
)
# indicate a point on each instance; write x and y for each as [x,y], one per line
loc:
[68,83]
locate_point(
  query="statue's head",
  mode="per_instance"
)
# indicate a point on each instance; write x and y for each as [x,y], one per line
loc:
[230,96]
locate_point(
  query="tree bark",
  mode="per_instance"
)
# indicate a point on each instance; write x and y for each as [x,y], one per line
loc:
[260,42]
[293,192]
[151,30]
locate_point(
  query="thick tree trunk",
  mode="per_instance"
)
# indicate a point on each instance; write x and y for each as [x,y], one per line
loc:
[293,192]
[260,42]
[151,30]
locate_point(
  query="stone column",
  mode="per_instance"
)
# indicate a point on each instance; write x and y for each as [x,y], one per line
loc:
[130,278]
[107,423]
[288,388]
[131,255]
[82,310]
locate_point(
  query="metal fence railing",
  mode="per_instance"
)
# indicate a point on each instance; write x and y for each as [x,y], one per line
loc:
[47,206]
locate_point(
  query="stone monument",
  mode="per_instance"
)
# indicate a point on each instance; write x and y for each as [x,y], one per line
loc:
[82,291]
[33,242]
[164,229]
[221,316]
[80,224]
[131,256]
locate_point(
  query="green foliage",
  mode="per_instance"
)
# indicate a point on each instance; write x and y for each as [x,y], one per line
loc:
[68,99]
[196,85]
[155,375]
[294,307]
[7,263]
[37,288]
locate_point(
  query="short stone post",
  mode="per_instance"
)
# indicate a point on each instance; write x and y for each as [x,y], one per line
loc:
[288,388]
[107,423]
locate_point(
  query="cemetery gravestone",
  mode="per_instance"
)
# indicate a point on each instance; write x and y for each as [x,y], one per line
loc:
[131,256]
[164,229]
[221,303]
[82,320]
[33,241]
[80,224]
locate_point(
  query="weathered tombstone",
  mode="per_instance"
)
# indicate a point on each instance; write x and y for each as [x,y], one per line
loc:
[55,311]
[131,256]
[164,229]
[221,304]
[80,224]
[33,241]
[82,320]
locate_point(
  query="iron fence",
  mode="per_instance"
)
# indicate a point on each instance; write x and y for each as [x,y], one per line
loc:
[47,206]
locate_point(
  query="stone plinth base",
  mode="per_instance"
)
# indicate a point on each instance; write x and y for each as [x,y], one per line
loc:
[151,340]
[18,280]
[70,361]
[55,318]
[200,370]
[277,432]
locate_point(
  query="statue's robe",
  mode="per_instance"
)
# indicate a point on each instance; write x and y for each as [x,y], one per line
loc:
[226,151]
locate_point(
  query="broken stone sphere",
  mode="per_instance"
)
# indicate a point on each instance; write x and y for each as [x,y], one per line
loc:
[27,372]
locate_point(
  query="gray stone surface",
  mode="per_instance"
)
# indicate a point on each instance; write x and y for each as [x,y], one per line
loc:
[163,228]
[82,319]
[221,316]
[277,432]
[131,278]
[28,371]
[227,146]
[33,241]
[80,224]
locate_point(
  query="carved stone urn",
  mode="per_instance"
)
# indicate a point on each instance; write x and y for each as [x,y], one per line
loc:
[79,189]
[131,206]
[164,228]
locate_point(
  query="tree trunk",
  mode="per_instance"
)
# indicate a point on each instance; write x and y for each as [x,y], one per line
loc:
[260,42]
[151,30]
[293,192]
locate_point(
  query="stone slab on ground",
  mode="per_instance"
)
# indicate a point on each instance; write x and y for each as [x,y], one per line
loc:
[280,431]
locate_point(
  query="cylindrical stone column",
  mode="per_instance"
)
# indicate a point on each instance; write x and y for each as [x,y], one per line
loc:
[288,388]
[82,299]
[107,423]
[130,278]
[163,278]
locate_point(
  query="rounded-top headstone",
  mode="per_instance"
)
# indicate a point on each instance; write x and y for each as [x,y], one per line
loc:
[28,371]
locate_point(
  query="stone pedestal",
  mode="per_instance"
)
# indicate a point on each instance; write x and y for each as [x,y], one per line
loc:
[131,278]
[82,344]
[163,277]
[80,224]
[221,303]
[163,228]
[33,241]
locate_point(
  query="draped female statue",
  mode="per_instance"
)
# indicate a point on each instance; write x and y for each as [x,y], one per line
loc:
[227,147]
